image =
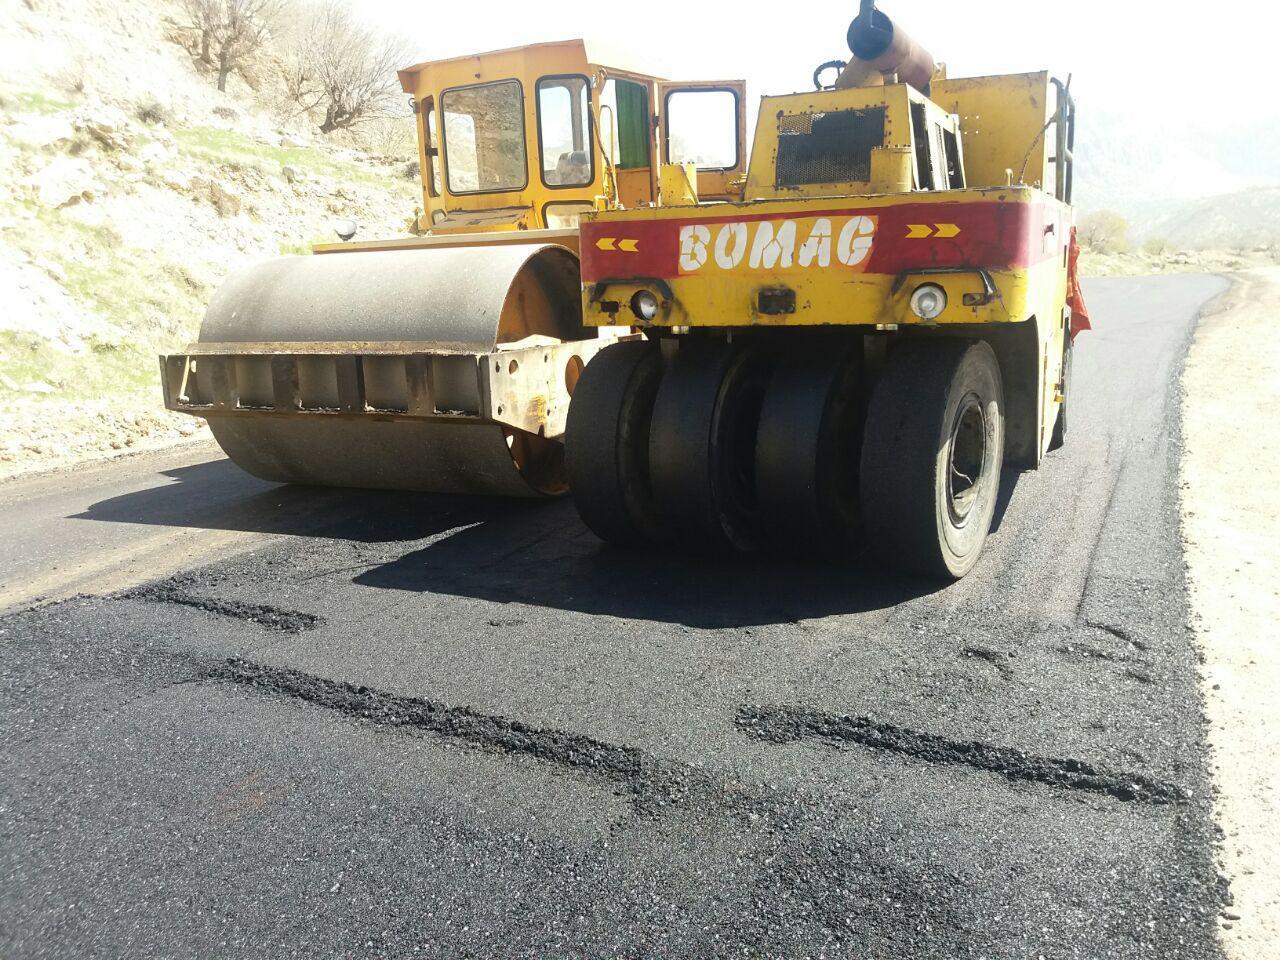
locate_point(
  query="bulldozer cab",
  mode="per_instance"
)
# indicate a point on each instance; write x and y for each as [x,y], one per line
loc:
[531,137]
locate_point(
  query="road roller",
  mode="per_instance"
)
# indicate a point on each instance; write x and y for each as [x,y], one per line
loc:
[842,357]
[445,360]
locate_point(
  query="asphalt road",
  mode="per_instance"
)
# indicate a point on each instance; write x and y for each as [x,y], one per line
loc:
[441,727]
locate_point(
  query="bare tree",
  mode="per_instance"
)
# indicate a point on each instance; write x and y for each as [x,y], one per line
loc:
[229,33]
[342,72]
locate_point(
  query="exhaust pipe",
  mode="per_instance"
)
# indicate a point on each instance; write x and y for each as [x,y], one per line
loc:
[879,44]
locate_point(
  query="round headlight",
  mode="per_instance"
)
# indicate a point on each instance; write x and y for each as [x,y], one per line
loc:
[644,305]
[928,301]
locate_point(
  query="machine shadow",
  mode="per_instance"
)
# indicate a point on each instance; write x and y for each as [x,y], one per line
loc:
[1009,477]
[220,496]
[529,552]
[546,558]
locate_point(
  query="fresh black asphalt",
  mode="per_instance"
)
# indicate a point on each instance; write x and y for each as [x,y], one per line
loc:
[445,727]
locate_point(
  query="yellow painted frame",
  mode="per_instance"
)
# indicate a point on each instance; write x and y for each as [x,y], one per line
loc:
[1002,119]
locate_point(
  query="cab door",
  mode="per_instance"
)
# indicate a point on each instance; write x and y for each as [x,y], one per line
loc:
[705,123]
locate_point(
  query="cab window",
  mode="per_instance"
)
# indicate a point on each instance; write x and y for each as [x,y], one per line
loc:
[702,128]
[484,148]
[565,138]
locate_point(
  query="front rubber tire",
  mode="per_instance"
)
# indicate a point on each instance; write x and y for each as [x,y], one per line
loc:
[931,456]
[607,444]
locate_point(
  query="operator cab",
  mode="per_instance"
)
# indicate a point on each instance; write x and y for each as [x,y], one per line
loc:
[531,137]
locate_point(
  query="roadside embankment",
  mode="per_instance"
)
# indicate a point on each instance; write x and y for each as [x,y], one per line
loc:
[1231,529]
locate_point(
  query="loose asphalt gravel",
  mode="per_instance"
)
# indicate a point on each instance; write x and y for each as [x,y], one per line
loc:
[443,727]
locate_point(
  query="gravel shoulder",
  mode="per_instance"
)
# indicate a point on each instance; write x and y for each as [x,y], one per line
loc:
[1231,528]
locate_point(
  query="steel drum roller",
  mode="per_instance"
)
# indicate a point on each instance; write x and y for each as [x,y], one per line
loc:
[458,305]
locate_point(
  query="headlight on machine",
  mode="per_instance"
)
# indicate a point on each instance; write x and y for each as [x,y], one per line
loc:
[928,301]
[644,304]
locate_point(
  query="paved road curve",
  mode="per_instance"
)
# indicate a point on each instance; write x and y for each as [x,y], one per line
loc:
[446,727]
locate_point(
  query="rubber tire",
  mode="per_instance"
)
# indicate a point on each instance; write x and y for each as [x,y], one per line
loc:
[607,444]
[906,455]
[702,445]
[808,448]
[1059,437]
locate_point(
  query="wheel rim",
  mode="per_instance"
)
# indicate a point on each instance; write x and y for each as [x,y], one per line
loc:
[967,460]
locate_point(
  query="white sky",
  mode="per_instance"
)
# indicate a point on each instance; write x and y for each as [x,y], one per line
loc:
[1164,61]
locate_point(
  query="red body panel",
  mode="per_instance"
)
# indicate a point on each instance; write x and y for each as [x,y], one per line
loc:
[991,234]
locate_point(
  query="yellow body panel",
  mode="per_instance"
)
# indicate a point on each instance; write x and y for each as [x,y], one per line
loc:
[1003,122]
[678,185]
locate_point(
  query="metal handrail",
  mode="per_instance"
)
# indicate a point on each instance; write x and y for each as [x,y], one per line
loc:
[1065,140]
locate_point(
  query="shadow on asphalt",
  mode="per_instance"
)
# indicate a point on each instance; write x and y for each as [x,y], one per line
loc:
[220,496]
[545,557]
[513,551]
[1009,478]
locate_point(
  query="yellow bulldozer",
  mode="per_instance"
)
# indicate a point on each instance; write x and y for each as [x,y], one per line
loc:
[834,333]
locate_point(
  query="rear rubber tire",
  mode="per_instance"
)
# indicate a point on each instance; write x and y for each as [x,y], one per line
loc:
[702,445]
[934,422]
[1059,437]
[808,448]
[607,444]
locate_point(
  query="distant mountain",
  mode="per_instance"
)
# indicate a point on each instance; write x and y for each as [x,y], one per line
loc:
[1244,220]
[1194,185]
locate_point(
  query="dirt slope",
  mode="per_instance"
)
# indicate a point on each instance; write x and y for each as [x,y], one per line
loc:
[130,188]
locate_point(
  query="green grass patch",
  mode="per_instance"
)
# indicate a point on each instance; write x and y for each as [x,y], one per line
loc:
[297,249]
[102,370]
[150,303]
[238,150]
[35,101]
[135,289]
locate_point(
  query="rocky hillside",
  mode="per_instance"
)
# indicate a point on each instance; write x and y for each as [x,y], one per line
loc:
[131,187]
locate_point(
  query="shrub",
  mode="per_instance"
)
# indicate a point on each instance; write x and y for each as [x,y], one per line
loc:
[1156,246]
[1104,231]
[152,111]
